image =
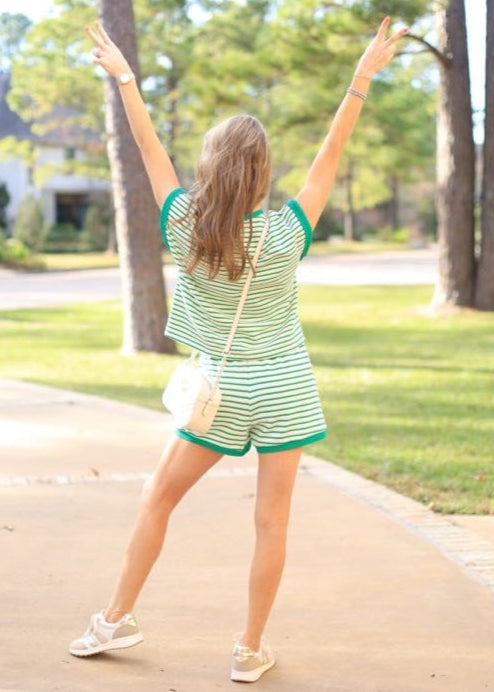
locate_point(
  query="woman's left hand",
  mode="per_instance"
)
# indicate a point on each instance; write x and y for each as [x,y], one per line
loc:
[106,53]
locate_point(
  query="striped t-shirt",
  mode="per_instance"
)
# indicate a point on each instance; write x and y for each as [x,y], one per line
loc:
[203,309]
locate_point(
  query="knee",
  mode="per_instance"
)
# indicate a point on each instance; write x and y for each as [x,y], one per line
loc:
[157,498]
[271,522]
[147,490]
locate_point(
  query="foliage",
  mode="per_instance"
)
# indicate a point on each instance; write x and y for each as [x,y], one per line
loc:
[406,10]
[96,226]
[12,249]
[396,235]
[12,30]
[54,59]
[287,62]
[15,255]
[62,237]
[29,226]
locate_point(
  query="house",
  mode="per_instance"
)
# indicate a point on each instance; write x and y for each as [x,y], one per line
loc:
[64,197]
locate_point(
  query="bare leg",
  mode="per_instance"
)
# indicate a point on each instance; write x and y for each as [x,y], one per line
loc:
[276,478]
[181,465]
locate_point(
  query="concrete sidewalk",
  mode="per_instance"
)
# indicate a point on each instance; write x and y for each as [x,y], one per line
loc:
[377,595]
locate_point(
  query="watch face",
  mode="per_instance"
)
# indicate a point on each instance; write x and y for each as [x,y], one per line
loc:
[125,78]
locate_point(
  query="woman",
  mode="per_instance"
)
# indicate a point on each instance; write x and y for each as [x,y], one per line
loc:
[269,394]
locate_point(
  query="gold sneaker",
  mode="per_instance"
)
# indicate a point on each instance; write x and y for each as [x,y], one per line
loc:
[249,665]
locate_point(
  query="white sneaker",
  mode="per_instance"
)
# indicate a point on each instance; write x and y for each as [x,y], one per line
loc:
[249,665]
[104,636]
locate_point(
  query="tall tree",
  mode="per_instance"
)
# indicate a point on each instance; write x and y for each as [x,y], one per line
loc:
[12,30]
[484,293]
[455,161]
[455,155]
[144,299]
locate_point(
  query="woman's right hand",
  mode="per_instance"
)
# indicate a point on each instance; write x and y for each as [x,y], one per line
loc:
[380,51]
[106,53]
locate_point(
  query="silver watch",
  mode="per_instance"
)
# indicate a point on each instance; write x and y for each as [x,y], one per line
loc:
[125,78]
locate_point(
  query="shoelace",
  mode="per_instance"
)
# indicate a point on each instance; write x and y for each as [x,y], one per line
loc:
[90,634]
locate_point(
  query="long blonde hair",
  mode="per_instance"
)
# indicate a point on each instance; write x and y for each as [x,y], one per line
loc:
[233,176]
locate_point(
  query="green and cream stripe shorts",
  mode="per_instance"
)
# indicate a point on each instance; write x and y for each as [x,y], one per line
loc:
[273,404]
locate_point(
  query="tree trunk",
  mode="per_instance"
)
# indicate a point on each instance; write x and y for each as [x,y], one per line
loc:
[136,215]
[394,184]
[484,290]
[455,162]
[349,216]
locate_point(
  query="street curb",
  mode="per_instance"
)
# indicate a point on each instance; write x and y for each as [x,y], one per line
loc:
[461,545]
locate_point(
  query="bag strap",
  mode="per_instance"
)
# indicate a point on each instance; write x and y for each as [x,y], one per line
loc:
[241,304]
[248,281]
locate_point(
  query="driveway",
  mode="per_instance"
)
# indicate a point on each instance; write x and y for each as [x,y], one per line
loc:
[379,593]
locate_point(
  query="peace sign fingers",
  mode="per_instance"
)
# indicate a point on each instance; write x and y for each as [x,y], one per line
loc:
[106,39]
[106,53]
[95,38]
[381,32]
[99,37]
[398,34]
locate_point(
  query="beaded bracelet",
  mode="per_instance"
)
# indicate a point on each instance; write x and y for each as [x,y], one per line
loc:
[356,92]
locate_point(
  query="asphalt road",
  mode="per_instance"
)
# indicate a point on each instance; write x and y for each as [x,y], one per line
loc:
[35,289]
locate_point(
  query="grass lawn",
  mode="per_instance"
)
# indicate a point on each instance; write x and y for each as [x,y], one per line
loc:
[409,398]
[65,261]
[321,247]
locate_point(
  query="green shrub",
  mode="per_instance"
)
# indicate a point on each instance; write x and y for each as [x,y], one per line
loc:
[96,226]
[399,235]
[62,237]
[29,225]
[14,254]
[12,248]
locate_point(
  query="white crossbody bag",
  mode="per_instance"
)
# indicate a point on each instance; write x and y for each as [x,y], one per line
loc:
[192,396]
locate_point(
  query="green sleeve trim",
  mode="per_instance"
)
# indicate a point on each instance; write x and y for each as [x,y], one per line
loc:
[293,443]
[304,221]
[165,210]
[211,445]
[254,214]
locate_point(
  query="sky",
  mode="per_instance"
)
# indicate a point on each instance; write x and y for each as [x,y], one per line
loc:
[476,20]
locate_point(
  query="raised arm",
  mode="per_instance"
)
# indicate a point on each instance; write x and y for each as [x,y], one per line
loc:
[158,165]
[315,191]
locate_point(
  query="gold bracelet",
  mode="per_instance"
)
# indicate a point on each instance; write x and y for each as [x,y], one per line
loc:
[362,76]
[356,92]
